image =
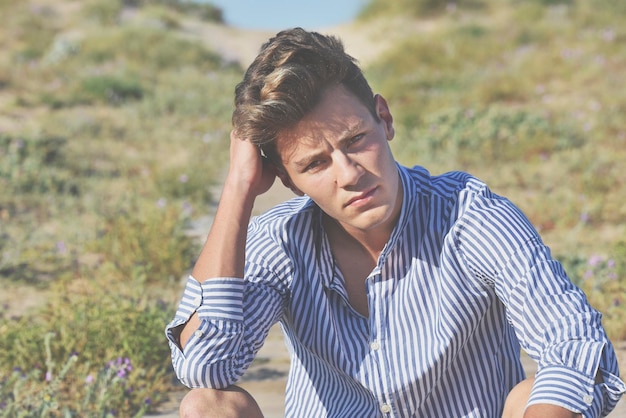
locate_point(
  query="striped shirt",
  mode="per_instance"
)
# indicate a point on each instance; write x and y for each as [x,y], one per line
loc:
[462,283]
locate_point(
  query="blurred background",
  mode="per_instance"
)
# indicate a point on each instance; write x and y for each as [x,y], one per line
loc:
[114,125]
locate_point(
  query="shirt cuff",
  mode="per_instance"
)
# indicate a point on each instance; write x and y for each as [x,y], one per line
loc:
[221,299]
[214,299]
[565,387]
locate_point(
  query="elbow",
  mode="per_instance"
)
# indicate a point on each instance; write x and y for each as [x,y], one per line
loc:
[198,372]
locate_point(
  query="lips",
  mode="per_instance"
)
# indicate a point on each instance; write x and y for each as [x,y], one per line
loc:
[361,198]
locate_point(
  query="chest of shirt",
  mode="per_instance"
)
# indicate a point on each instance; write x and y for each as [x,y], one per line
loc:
[421,310]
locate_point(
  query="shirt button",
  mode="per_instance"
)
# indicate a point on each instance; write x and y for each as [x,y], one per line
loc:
[198,333]
[375,345]
[197,300]
[385,408]
[588,399]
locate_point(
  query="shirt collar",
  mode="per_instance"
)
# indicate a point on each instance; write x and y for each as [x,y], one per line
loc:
[409,198]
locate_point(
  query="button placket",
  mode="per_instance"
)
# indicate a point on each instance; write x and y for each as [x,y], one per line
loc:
[377,315]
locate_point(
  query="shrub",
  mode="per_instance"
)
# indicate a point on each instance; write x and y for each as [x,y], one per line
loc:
[95,358]
[414,8]
[32,28]
[104,12]
[468,137]
[202,10]
[146,50]
[35,165]
[145,241]
[603,279]
[110,89]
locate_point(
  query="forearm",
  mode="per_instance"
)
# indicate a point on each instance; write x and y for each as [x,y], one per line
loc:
[223,254]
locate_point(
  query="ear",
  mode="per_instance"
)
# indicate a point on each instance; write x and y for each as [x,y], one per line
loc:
[286,180]
[383,112]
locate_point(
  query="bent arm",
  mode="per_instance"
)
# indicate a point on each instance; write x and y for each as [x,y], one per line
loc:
[553,321]
[218,327]
[223,254]
[516,401]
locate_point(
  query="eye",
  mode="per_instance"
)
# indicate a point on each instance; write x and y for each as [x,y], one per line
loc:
[312,166]
[356,139]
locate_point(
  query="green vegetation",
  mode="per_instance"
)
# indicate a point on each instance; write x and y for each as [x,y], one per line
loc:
[110,142]
[114,122]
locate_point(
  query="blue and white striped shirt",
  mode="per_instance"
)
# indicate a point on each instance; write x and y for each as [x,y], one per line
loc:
[462,282]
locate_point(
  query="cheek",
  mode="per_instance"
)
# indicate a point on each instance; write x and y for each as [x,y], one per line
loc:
[317,187]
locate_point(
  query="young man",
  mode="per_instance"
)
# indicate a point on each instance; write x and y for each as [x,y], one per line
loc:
[400,294]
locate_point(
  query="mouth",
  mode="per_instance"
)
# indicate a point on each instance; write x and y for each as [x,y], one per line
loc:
[362,198]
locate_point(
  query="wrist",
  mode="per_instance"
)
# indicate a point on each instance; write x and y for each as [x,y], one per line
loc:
[238,193]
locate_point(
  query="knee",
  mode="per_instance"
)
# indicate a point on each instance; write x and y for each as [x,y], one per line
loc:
[196,403]
[231,402]
[517,399]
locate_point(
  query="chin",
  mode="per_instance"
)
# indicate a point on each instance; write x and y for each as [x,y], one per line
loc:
[370,221]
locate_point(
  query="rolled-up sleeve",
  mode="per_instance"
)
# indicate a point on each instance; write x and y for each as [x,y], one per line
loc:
[225,343]
[553,321]
[578,391]
[560,330]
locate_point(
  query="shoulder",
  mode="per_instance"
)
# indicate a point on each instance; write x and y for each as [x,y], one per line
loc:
[460,201]
[449,185]
[283,229]
[289,214]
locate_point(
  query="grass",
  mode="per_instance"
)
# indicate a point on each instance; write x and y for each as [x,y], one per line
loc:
[527,98]
[114,130]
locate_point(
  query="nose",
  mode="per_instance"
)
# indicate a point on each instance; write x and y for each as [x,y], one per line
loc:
[347,170]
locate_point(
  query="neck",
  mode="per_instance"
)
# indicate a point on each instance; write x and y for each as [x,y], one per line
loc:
[370,242]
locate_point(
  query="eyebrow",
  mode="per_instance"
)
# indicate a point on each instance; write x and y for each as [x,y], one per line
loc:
[345,136]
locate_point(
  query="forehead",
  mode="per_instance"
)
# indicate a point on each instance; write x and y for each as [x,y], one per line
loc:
[338,114]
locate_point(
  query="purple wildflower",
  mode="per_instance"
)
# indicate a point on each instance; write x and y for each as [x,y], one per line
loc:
[594,260]
[61,248]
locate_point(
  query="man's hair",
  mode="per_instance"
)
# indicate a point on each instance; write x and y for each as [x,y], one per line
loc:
[286,81]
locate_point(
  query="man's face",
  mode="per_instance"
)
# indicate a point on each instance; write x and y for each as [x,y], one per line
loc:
[339,156]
